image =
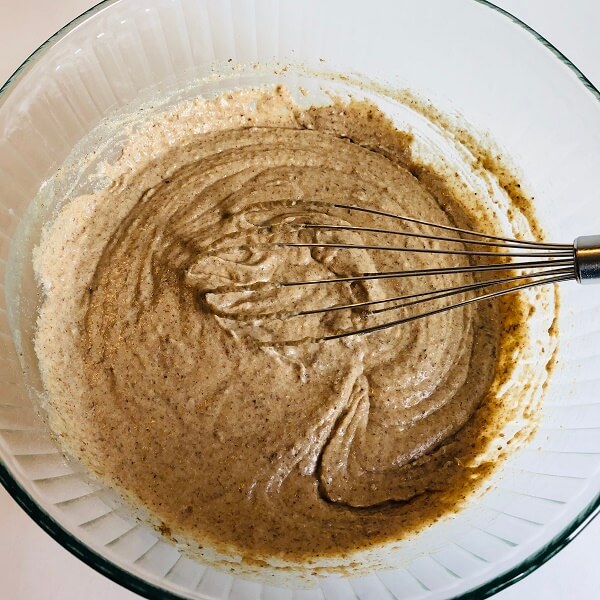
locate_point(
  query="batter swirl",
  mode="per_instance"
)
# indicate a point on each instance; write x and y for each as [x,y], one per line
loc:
[160,383]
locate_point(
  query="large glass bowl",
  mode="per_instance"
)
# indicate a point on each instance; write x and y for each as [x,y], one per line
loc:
[467,54]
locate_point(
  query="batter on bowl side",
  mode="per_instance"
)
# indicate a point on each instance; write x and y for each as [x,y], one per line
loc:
[162,387]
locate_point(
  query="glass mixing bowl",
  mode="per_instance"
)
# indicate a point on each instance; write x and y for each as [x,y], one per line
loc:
[466,54]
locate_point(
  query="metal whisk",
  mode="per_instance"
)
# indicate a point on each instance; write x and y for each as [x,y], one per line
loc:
[538,263]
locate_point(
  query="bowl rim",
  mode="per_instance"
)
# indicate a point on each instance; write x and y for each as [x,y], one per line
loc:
[148,590]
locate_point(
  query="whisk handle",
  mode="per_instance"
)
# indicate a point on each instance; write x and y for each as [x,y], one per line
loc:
[587,258]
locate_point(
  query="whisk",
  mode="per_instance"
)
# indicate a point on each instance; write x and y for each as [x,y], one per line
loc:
[536,264]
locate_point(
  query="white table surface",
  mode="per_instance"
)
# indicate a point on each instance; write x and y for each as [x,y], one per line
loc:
[34,567]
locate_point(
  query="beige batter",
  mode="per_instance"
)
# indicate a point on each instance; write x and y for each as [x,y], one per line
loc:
[241,432]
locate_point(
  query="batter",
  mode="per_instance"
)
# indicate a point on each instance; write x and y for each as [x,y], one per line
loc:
[240,432]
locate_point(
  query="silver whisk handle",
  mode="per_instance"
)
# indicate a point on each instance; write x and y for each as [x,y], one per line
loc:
[587,258]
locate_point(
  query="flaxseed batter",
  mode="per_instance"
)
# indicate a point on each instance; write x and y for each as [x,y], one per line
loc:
[160,383]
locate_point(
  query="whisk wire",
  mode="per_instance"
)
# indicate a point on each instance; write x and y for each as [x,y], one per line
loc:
[432,272]
[480,242]
[477,234]
[422,297]
[488,296]
[422,250]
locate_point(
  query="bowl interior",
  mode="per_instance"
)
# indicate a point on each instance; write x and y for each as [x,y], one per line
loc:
[124,54]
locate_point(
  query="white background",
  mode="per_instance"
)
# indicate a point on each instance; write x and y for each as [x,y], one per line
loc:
[35,567]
